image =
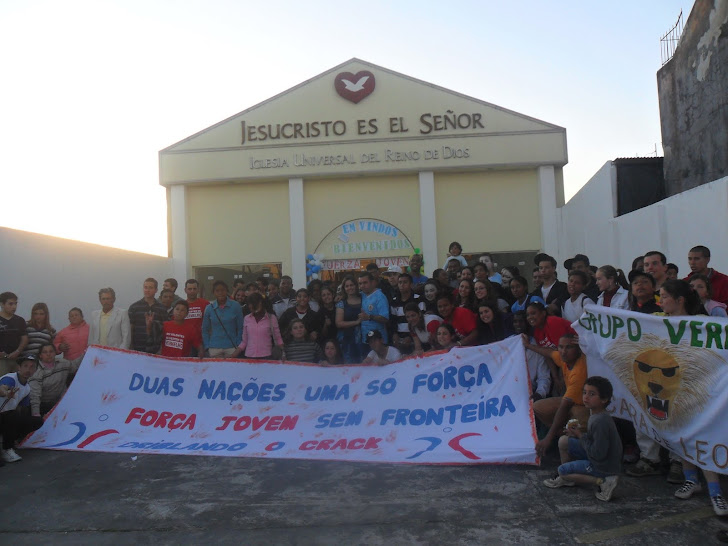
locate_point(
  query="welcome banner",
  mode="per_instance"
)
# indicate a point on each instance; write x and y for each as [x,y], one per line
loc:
[670,377]
[467,406]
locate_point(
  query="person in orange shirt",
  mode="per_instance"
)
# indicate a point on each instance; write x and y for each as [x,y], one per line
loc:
[555,411]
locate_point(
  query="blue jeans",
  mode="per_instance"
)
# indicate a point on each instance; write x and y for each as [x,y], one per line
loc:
[580,464]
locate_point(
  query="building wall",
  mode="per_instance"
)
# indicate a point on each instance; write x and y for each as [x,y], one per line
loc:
[228,224]
[331,202]
[692,89]
[65,273]
[504,204]
[672,226]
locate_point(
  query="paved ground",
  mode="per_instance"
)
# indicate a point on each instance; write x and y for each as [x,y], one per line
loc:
[60,497]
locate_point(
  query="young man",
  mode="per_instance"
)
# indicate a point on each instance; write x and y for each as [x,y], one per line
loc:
[493,275]
[379,282]
[593,457]
[453,269]
[312,320]
[656,265]
[14,395]
[391,275]
[285,298]
[178,336]
[556,410]
[415,267]
[195,304]
[13,334]
[552,291]
[374,314]
[109,326]
[380,353]
[138,312]
[463,320]
[698,259]
[401,337]
[167,300]
[580,262]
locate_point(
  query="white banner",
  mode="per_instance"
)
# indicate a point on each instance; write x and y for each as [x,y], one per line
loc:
[670,377]
[468,406]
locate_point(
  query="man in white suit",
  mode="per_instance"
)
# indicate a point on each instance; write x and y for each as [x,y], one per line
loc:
[110,325]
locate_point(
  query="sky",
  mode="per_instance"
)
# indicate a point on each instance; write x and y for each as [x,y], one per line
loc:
[90,91]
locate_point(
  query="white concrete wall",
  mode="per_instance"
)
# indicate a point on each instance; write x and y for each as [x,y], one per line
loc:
[695,217]
[65,273]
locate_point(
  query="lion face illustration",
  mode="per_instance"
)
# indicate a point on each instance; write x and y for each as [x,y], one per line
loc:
[657,376]
[671,383]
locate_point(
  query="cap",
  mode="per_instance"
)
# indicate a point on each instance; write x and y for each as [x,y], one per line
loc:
[578,258]
[373,334]
[29,356]
[393,269]
[637,273]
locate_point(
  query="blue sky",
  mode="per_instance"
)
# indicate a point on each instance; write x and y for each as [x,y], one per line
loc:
[92,90]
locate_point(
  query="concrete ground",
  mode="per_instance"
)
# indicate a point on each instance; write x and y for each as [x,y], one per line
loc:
[58,497]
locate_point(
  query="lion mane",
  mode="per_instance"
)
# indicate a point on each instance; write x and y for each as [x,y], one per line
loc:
[699,368]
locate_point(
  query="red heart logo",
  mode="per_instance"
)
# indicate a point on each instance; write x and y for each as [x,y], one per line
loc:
[354,87]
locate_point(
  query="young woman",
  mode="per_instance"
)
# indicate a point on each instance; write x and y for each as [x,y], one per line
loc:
[613,287]
[332,353]
[574,305]
[422,326]
[314,290]
[222,323]
[239,296]
[39,329]
[348,322]
[431,291]
[485,293]
[466,273]
[328,312]
[298,346]
[678,299]
[260,331]
[519,290]
[508,273]
[491,324]
[465,295]
[446,337]
[49,382]
[72,341]
[440,276]
[701,285]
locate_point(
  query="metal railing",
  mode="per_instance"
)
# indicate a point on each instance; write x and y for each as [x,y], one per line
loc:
[670,40]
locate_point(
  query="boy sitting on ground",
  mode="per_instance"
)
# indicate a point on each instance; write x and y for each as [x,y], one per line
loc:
[593,457]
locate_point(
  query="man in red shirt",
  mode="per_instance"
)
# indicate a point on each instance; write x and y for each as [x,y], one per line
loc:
[463,320]
[178,335]
[698,259]
[196,305]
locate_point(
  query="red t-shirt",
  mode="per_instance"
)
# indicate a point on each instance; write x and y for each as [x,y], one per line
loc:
[463,320]
[197,309]
[549,335]
[178,339]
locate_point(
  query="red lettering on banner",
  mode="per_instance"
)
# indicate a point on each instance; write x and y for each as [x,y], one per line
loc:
[275,422]
[154,419]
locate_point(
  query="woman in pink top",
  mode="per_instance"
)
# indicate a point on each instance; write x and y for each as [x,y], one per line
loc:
[260,331]
[72,341]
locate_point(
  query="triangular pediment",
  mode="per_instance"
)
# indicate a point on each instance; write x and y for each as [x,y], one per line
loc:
[369,104]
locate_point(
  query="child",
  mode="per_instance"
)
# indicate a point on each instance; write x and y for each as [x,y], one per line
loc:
[298,347]
[332,353]
[380,353]
[178,335]
[519,290]
[49,382]
[14,395]
[454,251]
[574,306]
[595,456]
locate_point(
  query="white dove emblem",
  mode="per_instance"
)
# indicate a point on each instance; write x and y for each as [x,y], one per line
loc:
[354,87]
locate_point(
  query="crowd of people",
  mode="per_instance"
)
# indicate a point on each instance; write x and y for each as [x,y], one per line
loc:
[376,317]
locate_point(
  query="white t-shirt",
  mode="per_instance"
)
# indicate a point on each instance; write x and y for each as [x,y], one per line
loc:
[11,380]
[392,355]
[572,310]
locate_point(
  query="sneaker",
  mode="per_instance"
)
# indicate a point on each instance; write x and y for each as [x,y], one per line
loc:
[9,456]
[605,490]
[675,475]
[687,490]
[719,505]
[643,468]
[557,481]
